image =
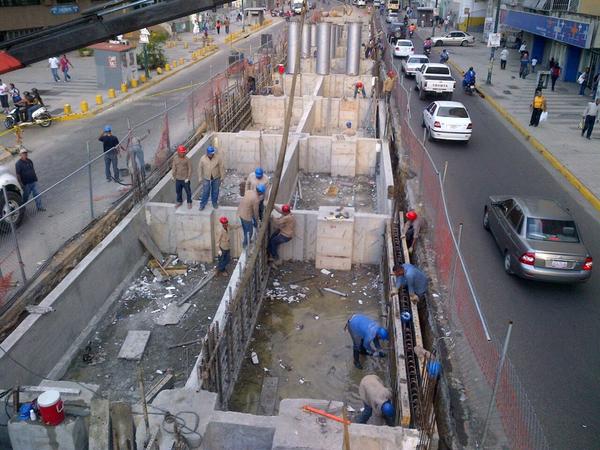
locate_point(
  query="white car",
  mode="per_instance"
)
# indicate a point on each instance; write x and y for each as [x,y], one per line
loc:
[413,63]
[15,199]
[404,48]
[391,16]
[376,3]
[454,38]
[448,121]
[360,3]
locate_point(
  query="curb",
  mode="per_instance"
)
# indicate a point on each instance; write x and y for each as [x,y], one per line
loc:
[547,154]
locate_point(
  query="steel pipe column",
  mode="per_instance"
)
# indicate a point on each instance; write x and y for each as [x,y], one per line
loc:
[293,45]
[323,48]
[313,34]
[332,40]
[305,41]
[353,48]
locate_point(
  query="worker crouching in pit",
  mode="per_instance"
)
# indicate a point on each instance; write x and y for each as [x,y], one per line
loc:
[285,226]
[365,333]
[377,401]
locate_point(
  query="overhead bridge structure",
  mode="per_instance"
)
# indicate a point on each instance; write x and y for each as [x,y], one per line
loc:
[96,25]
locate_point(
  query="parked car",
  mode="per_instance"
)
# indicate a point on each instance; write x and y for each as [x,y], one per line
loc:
[448,121]
[411,65]
[15,199]
[297,7]
[391,16]
[376,3]
[434,79]
[453,38]
[403,48]
[360,3]
[538,239]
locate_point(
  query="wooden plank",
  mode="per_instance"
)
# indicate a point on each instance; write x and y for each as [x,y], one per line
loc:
[166,382]
[268,396]
[151,246]
[134,345]
[62,390]
[121,418]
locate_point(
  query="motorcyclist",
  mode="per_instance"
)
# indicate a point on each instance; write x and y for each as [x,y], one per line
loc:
[23,105]
[427,45]
[37,96]
[411,29]
[469,78]
[444,56]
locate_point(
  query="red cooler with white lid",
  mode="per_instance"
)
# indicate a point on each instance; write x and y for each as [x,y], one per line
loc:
[51,408]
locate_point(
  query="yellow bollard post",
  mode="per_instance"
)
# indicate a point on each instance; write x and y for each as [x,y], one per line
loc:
[112,93]
[99,100]
[181,61]
[67,109]
[194,57]
[84,106]
[174,63]
[123,87]
[159,71]
[134,83]
[186,45]
[143,78]
[167,67]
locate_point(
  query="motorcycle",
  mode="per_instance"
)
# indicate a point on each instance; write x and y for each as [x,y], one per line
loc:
[469,88]
[40,117]
[427,51]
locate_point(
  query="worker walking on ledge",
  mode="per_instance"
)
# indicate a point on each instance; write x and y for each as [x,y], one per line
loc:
[365,333]
[413,279]
[254,179]
[224,245]
[411,229]
[377,400]
[210,173]
[285,225]
[248,212]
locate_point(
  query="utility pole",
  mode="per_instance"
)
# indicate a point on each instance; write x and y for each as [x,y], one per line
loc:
[493,52]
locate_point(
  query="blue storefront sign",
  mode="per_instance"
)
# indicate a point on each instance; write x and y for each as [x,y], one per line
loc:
[61,10]
[571,32]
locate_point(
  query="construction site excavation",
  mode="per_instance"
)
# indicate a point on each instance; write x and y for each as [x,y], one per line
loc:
[148,344]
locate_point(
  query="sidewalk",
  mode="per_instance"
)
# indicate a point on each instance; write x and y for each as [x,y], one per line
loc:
[559,139]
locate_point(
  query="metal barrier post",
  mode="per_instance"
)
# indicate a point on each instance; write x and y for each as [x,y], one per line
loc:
[455,263]
[496,383]
[87,145]
[193,105]
[14,234]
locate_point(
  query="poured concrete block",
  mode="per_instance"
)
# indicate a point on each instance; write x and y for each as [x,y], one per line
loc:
[193,230]
[343,158]
[134,345]
[368,238]
[268,396]
[235,436]
[335,239]
[160,220]
[99,435]
[366,156]
[69,435]
[318,157]
[172,315]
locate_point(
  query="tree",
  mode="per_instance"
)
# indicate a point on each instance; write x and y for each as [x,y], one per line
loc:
[156,55]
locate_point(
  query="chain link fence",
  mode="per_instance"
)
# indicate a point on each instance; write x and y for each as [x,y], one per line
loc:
[475,353]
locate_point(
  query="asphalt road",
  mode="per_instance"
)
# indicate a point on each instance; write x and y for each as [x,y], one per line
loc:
[555,343]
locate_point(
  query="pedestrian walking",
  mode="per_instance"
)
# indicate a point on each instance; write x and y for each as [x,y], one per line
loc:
[377,400]
[366,334]
[590,116]
[4,91]
[551,63]
[285,225]
[349,131]
[110,145]
[254,179]
[524,65]
[554,74]
[582,80]
[359,87]
[248,212]
[28,179]
[411,277]
[54,63]
[595,85]
[181,171]
[14,92]
[227,23]
[135,153]
[534,62]
[523,48]
[218,26]
[388,85]
[210,173]
[503,58]
[411,229]
[224,246]
[64,64]
[538,107]
[196,29]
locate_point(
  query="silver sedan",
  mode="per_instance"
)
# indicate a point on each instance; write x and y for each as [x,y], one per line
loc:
[538,239]
[454,38]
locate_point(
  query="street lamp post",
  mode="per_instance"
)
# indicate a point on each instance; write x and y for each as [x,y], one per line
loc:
[493,51]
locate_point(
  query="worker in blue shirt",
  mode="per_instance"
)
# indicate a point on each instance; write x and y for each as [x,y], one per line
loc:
[413,279]
[365,333]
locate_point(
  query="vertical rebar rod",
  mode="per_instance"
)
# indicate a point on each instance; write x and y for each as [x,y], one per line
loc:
[144,403]
[91,189]
[13,230]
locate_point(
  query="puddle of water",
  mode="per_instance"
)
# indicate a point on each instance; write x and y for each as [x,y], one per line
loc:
[312,358]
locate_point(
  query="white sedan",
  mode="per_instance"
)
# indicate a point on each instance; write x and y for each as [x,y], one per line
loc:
[413,63]
[404,48]
[448,121]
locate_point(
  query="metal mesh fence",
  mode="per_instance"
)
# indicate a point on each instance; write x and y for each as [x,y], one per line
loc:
[513,422]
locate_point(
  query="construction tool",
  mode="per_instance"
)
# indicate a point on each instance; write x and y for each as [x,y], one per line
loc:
[203,282]
[325,414]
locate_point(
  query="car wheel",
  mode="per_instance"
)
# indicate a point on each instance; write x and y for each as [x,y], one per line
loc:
[423,123]
[430,136]
[9,122]
[438,43]
[464,43]
[486,219]
[14,201]
[507,263]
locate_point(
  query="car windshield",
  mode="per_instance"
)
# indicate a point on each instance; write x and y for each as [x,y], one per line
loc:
[418,60]
[551,230]
[453,111]
[438,71]
[403,44]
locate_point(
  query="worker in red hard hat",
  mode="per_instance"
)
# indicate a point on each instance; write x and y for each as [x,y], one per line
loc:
[181,171]
[224,246]
[411,229]
[359,86]
[285,226]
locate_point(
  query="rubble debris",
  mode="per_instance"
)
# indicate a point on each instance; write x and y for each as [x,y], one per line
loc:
[37,309]
[172,315]
[333,291]
[325,272]
[203,282]
[254,358]
[186,343]
[134,345]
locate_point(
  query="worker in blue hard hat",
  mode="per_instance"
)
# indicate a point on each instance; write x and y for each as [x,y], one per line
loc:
[349,131]
[366,334]
[110,146]
[377,400]
[248,212]
[254,179]
[211,171]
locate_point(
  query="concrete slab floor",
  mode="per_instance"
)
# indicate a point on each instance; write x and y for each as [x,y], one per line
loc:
[136,309]
[229,192]
[321,189]
[300,337]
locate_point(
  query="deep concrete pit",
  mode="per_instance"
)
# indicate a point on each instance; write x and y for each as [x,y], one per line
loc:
[321,189]
[136,309]
[229,192]
[300,338]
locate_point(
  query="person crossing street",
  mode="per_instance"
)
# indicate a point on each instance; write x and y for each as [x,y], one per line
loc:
[28,179]
[590,116]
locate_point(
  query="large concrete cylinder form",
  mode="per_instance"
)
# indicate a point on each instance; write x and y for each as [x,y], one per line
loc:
[353,50]
[323,48]
[305,41]
[313,34]
[293,45]
[332,40]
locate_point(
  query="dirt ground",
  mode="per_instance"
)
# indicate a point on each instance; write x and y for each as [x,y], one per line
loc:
[300,337]
[135,309]
[229,193]
[321,189]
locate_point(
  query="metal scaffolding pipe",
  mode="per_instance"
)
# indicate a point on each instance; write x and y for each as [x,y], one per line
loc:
[332,40]
[353,48]
[313,34]
[323,48]
[293,45]
[305,41]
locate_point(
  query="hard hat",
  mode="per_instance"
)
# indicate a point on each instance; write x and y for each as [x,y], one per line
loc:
[261,188]
[286,208]
[181,149]
[391,73]
[23,150]
[224,220]
[388,410]
[258,172]
[349,124]
[107,128]
[411,215]
[210,150]
[359,84]
[383,333]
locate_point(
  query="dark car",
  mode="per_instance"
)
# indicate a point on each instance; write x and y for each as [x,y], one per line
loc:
[538,238]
